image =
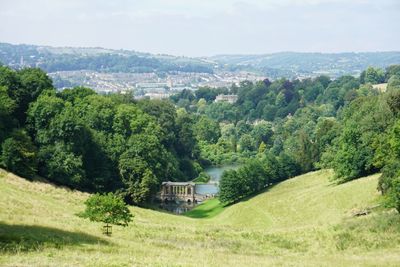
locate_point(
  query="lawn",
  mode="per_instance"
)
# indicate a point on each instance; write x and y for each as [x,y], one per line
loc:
[208,209]
[305,221]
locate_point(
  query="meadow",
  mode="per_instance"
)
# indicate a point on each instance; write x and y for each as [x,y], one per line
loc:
[304,221]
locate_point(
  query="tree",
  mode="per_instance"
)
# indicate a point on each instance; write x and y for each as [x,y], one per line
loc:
[76,93]
[33,82]
[262,148]
[60,165]
[206,93]
[394,83]
[7,106]
[19,154]
[229,187]
[165,114]
[374,76]
[108,208]
[395,193]
[392,71]
[207,130]
[351,158]
[246,143]
[144,165]
[186,142]
[262,133]
[40,114]
[138,178]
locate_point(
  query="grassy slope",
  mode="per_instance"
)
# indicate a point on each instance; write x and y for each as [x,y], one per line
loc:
[210,208]
[303,221]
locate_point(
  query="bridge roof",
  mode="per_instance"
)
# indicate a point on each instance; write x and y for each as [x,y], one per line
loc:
[178,183]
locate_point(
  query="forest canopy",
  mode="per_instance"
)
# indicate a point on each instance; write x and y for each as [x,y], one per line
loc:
[276,129]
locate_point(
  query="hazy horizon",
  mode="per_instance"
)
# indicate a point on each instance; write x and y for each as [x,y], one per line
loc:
[205,28]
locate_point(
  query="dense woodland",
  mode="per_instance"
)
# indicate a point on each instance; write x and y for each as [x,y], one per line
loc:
[276,130]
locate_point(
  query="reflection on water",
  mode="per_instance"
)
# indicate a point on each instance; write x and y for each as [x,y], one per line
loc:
[206,189]
[210,189]
[215,172]
[177,207]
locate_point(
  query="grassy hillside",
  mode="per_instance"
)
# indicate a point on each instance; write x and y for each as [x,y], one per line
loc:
[303,221]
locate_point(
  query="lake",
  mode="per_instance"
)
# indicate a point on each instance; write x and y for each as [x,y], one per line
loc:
[210,188]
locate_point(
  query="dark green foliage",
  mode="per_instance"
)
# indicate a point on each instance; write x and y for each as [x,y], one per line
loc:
[206,93]
[395,193]
[59,164]
[76,93]
[137,177]
[19,154]
[372,75]
[9,79]
[254,176]
[165,114]
[262,133]
[7,106]
[107,143]
[108,208]
[23,87]
[207,130]
[33,82]
[393,70]
[221,112]
[364,121]
[388,156]
[186,136]
[246,143]
[94,143]
[229,186]
[350,160]
[144,165]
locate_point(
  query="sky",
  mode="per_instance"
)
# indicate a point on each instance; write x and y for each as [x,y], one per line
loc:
[205,27]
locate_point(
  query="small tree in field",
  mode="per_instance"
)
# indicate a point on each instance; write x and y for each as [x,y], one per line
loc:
[108,208]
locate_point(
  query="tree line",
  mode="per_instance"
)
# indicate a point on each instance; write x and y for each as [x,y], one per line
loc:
[91,142]
[277,129]
[345,124]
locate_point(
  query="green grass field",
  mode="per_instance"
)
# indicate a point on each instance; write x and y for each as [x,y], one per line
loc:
[304,221]
[208,209]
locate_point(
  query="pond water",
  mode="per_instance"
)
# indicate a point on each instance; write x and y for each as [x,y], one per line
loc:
[210,188]
[216,171]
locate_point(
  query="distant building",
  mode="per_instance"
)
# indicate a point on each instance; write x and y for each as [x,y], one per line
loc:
[227,98]
[156,95]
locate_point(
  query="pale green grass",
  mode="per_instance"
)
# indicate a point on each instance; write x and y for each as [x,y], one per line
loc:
[304,221]
[210,208]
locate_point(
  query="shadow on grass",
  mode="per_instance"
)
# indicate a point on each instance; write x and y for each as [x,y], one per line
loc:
[24,238]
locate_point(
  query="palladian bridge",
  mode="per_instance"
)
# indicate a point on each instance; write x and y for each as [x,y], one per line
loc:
[182,191]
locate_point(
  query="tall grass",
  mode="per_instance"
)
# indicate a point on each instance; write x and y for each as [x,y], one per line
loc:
[305,221]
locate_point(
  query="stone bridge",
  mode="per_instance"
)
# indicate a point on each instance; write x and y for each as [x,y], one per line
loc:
[182,191]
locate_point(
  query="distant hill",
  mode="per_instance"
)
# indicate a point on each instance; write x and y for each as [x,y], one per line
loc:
[276,65]
[310,64]
[52,59]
